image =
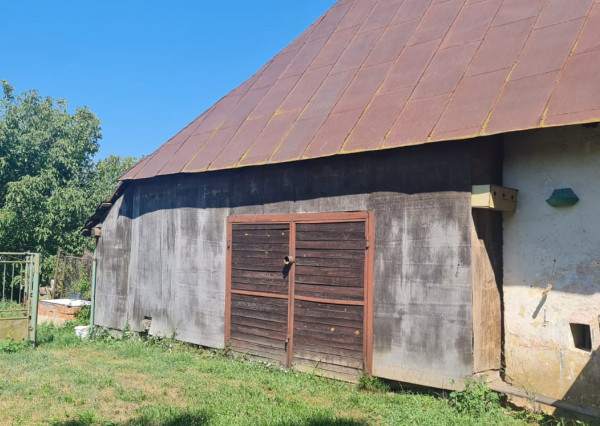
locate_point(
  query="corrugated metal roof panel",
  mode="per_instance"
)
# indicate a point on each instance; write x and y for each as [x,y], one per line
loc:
[376,74]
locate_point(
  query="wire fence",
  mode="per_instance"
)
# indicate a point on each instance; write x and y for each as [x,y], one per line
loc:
[73,276]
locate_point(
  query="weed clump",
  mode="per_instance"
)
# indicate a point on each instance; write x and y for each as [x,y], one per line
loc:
[10,346]
[370,383]
[477,398]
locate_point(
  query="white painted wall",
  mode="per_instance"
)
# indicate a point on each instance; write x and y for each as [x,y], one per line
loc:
[561,246]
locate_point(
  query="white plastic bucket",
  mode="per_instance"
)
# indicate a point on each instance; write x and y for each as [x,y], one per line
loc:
[82,331]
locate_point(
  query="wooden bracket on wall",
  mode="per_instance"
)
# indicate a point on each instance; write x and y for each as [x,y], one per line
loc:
[494,197]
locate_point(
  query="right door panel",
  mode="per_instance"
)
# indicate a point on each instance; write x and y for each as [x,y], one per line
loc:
[329,297]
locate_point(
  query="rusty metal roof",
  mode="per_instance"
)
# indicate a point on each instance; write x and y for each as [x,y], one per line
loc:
[376,74]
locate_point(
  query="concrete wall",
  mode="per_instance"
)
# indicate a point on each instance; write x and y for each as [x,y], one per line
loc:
[163,249]
[557,245]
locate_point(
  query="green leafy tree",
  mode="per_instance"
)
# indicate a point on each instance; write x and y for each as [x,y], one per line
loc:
[105,176]
[49,182]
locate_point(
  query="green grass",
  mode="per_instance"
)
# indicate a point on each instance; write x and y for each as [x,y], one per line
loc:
[66,381]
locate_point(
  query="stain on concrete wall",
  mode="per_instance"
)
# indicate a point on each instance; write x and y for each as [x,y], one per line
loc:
[557,246]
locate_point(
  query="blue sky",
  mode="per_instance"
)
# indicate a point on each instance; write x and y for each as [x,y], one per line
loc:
[145,68]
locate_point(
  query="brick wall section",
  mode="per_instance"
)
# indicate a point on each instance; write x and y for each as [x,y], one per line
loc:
[51,312]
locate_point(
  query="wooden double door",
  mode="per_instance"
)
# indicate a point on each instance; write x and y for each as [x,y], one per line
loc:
[299,290]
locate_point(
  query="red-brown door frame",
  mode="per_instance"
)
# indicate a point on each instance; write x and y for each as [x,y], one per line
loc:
[293,219]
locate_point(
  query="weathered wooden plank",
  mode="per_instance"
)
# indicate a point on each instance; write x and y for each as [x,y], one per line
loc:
[259,340]
[358,226]
[259,277]
[332,321]
[242,329]
[325,366]
[260,232]
[343,361]
[273,355]
[330,236]
[329,272]
[328,307]
[264,254]
[267,349]
[243,273]
[331,245]
[267,310]
[260,288]
[354,333]
[258,323]
[355,353]
[330,254]
[329,262]
[260,314]
[356,324]
[258,285]
[321,312]
[259,247]
[260,304]
[259,265]
[324,373]
[332,348]
[259,226]
[251,280]
[260,239]
[337,292]
[267,352]
[240,260]
[339,340]
[329,280]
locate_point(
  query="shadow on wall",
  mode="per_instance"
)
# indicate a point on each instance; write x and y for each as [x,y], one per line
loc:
[585,390]
[411,170]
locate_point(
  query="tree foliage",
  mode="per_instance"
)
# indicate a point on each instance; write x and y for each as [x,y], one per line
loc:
[49,181]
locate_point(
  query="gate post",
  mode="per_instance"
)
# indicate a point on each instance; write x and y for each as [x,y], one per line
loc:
[93,307]
[33,297]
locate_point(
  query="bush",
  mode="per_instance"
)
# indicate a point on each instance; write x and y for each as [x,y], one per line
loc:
[83,316]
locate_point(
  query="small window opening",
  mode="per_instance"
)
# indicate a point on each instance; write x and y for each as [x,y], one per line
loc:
[582,336]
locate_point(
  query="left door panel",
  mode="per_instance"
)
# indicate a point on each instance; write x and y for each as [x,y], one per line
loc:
[259,307]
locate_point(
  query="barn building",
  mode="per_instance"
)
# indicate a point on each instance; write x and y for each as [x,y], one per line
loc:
[411,187]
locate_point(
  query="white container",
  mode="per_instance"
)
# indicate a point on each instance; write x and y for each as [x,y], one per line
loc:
[82,331]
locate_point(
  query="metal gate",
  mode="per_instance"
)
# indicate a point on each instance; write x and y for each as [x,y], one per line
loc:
[299,290]
[19,281]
